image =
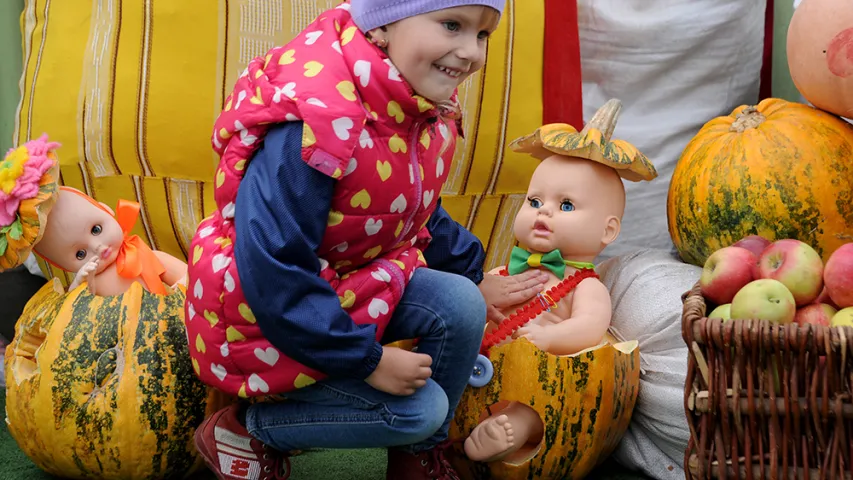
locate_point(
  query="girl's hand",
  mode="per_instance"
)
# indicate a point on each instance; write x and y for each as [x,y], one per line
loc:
[400,372]
[501,292]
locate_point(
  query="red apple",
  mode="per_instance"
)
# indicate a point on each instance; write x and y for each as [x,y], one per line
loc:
[815,313]
[754,243]
[838,276]
[725,272]
[843,317]
[824,295]
[765,299]
[797,265]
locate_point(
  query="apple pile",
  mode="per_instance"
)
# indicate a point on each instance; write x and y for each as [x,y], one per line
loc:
[782,282]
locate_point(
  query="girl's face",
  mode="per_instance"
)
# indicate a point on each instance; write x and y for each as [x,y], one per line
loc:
[435,52]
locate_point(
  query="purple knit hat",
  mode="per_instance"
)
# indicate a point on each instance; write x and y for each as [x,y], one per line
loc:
[370,14]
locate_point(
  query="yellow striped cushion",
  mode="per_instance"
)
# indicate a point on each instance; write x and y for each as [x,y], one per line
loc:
[131,90]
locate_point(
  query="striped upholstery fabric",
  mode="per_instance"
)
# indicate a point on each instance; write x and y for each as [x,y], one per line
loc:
[131,89]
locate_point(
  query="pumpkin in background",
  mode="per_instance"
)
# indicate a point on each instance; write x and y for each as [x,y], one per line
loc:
[103,387]
[584,400]
[820,54]
[779,170]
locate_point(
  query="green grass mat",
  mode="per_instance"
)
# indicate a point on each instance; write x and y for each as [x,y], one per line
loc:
[321,465]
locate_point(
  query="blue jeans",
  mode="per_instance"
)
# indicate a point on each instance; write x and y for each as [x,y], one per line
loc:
[447,313]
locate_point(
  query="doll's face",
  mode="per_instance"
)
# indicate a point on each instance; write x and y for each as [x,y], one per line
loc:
[77,231]
[436,51]
[572,204]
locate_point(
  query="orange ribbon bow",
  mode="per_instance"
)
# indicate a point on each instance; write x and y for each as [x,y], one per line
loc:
[135,258]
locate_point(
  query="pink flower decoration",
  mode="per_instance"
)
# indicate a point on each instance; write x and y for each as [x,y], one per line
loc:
[33,157]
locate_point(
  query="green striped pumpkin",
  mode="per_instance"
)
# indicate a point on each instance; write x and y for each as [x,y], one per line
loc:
[103,387]
[585,401]
[777,169]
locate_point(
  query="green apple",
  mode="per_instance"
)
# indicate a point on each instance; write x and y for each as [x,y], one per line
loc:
[765,299]
[723,312]
[844,317]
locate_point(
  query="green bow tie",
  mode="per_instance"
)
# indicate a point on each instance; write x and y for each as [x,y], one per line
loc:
[520,260]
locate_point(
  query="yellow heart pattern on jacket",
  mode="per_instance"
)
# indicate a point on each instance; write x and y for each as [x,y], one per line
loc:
[348,35]
[360,199]
[308,137]
[234,335]
[220,177]
[348,300]
[335,218]
[287,57]
[396,112]
[258,99]
[347,90]
[211,317]
[396,144]
[197,251]
[199,344]
[312,68]
[425,141]
[246,313]
[373,252]
[303,380]
[384,169]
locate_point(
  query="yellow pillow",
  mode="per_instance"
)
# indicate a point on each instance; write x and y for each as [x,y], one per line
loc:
[132,93]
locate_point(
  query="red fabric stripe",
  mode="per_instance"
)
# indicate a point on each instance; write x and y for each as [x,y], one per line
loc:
[562,89]
[766,88]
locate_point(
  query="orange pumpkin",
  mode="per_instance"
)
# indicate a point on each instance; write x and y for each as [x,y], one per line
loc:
[778,169]
[820,54]
[585,401]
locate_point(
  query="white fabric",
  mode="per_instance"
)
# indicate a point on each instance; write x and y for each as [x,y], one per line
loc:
[33,266]
[646,288]
[675,64]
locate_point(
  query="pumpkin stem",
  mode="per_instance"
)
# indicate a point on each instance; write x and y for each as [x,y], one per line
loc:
[605,118]
[750,117]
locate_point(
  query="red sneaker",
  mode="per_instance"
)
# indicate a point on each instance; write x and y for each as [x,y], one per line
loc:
[232,454]
[428,465]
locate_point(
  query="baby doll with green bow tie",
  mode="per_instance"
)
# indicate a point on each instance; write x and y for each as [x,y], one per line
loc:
[574,207]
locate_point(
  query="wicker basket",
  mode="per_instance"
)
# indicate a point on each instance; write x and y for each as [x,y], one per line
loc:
[766,400]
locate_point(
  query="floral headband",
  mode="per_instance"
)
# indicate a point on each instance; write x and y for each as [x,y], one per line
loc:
[28,190]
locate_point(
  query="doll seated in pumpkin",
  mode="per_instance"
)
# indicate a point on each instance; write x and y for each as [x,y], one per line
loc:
[575,202]
[72,231]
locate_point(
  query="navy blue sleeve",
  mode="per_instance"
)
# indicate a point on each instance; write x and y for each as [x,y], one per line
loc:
[454,249]
[280,219]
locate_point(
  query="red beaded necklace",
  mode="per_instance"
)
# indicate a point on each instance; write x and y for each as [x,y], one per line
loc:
[542,302]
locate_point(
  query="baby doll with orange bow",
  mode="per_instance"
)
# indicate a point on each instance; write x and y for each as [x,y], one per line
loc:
[72,231]
[575,202]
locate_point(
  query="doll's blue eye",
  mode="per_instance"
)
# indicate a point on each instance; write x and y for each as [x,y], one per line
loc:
[567,206]
[96,230]
[535,202]
[81,254]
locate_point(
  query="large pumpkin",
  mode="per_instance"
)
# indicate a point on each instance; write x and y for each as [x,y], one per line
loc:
[584,400]
[820,54]
[103,387]
[779,170]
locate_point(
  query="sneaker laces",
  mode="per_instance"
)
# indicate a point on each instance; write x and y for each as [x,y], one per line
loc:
[281,466]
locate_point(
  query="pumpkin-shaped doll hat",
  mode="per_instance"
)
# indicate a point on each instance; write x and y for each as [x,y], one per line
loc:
[28,191]
[592,143]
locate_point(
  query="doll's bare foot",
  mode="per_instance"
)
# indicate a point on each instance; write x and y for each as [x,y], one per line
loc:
[490,440]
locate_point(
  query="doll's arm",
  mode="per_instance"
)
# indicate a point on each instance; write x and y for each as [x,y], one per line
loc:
[176,270]
[591,313]
[87,274]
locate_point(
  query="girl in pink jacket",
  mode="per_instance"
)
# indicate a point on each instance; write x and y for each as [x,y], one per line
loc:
[329,241]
